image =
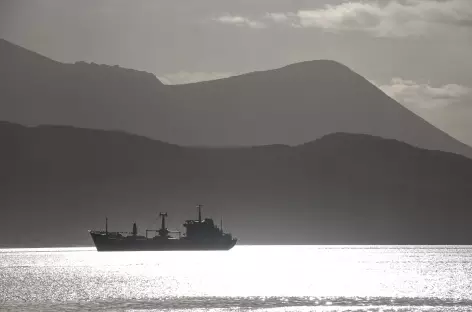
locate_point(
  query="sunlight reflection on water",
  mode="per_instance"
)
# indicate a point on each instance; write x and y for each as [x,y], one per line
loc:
[255,277]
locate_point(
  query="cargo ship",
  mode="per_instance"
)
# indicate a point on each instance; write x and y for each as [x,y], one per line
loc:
[200,234]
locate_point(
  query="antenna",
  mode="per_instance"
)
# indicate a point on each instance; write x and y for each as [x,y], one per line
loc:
[106,225]
[199,213]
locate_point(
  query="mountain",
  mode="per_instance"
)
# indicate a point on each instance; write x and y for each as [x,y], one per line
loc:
[289,105]
[57,182]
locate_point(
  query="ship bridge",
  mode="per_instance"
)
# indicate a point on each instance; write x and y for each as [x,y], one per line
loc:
[203,228]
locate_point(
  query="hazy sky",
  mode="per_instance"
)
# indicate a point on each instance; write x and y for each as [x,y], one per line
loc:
[416,51]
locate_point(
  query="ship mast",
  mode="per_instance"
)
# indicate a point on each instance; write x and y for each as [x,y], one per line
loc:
[163,230]
[199,213]
[163,216]
[106,225]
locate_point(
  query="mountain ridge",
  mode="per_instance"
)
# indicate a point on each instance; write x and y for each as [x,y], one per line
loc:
[345,136]
[289,105]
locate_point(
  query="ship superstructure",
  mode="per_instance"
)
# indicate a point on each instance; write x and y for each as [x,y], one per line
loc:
[200,234]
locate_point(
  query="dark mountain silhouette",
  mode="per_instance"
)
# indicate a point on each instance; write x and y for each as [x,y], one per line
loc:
[289,105]
[57,182]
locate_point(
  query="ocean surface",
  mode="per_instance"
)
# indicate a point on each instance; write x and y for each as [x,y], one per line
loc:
[246,278]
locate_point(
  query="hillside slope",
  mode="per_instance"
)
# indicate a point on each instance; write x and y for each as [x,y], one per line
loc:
[58,182]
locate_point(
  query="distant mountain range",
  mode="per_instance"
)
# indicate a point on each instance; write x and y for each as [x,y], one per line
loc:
[290,105]
[57,182]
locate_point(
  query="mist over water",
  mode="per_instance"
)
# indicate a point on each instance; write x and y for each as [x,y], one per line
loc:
[275,278]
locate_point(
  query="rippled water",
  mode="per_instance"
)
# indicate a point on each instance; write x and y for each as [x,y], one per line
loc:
[275,278]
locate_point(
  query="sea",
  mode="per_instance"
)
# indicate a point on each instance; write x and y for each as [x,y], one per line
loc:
[246,278]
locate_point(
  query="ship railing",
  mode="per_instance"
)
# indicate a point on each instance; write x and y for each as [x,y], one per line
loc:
[169,231]
[112,233]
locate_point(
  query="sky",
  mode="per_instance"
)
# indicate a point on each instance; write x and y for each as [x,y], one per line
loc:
[416,51]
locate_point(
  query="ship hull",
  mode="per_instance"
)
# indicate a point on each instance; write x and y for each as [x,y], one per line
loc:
[106,243]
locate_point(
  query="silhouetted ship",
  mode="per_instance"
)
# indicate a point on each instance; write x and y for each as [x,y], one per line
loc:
[201,234]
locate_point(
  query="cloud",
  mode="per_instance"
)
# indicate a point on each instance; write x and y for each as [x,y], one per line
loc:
[394,18]
[422,96]
[279,17]
[183,77]
[398,19]
[240,21]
